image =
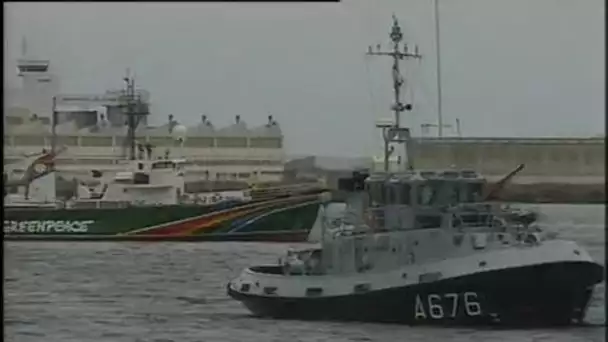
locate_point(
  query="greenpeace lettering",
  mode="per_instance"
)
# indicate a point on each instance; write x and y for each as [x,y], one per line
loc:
[447,306]
[47,227]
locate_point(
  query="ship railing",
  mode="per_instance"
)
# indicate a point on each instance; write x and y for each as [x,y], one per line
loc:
[100,204]
[375,218]
[332,222]
[336,224]
[474,219]
[493,223]
[361,221]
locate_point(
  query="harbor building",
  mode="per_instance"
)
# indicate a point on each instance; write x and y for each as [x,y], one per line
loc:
[94,130]
[547,160]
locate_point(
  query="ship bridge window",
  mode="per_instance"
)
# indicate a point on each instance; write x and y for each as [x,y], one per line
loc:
[473,192]
[468,174]
[453,193]
[475,219]
[405,193]
[456,221]
[163,165]
[428,221]
[377,193]
[392,193]
[428,174]
[427,194]
[450,174]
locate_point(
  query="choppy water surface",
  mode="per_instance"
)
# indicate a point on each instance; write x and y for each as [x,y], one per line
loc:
[175,292]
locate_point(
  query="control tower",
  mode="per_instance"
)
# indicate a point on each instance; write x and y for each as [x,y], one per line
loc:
[39,86]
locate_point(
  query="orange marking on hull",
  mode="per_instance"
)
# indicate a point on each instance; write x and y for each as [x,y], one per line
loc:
[263,205]
[187,228]
[196,224]
[213,222]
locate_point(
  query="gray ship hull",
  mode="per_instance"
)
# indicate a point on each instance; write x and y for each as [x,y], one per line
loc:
[541,295]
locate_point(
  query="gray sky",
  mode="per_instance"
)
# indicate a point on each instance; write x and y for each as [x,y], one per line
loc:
[509,67]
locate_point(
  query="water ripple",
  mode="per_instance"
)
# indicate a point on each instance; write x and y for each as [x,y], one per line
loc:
[161,292]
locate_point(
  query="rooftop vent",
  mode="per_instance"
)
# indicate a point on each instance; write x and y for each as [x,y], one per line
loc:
[271,121]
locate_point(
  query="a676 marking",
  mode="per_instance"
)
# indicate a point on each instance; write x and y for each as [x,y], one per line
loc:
[447,305]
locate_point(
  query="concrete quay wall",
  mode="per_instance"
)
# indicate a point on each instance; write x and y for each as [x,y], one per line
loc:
[547,160]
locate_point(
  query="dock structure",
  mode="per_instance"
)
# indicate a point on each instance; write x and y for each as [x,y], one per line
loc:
[95,130]
[571,159]
[234,152]
[547,160]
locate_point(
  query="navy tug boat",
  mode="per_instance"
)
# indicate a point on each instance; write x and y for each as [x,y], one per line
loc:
[422,247]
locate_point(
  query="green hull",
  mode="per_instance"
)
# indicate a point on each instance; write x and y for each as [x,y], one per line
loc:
[287,219]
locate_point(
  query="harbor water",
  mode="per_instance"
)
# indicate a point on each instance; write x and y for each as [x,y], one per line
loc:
[138,291]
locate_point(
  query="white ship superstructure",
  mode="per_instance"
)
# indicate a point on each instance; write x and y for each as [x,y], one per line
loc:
[94,130]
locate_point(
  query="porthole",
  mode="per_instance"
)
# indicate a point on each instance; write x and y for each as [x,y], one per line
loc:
[270,290]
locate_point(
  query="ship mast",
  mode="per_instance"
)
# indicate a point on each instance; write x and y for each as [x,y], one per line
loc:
[394,133]
[131,101]
[440,125]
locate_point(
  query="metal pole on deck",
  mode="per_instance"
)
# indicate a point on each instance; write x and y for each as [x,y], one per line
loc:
[438,67]
[397,55]
[54,126]
[386,150]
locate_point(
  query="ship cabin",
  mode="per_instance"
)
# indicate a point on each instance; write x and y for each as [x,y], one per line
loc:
[151,172]
[407,217]
[423,200]
[146,181]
